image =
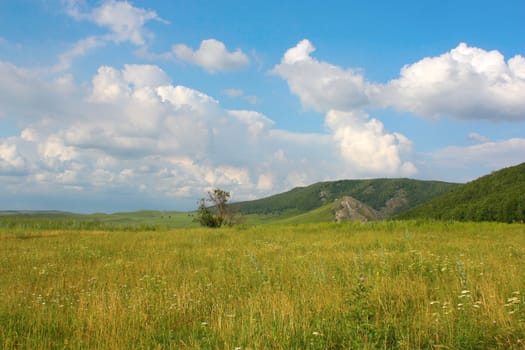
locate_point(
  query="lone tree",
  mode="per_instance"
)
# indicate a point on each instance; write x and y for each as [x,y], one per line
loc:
[219,213]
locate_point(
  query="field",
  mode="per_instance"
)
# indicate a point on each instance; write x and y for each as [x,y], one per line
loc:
[383,285]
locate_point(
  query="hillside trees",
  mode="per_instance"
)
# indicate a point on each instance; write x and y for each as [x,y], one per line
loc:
[499,196]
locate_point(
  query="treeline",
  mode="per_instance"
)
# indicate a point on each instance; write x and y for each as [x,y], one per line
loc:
[499,196]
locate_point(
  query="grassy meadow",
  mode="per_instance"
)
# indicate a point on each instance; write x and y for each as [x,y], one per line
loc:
[383,285]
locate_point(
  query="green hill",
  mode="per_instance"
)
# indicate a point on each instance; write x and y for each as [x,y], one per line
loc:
[499,196]
[387,196]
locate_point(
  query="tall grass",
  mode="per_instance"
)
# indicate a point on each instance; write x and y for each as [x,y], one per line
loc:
[388,285]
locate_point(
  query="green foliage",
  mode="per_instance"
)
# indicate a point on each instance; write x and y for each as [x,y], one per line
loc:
[221,215]
[499,196]
[205,216]
[375,193]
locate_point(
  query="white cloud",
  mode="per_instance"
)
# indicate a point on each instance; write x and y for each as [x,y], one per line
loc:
[25,89]
[141,75]
[465,83]
[108,85]
[132,129]
[11,161]
[213,56]
[125,22]
[256,123]
[367,147]
[320,85]
[54,153]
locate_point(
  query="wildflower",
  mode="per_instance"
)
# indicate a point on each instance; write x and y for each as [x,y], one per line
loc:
[315,333]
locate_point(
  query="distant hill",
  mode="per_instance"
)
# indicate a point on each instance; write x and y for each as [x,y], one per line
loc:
[499,196]
[387,197]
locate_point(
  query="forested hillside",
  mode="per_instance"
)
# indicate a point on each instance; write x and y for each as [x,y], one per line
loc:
[387,196]
[499,196]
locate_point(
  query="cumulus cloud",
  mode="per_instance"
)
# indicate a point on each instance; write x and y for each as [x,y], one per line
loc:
[124,21]
[141,75]
[465,83]
[212,55]
[132,131]
[11,161]
[321,85]
[367,147]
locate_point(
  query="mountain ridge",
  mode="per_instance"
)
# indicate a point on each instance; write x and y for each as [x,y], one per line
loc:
[386,196]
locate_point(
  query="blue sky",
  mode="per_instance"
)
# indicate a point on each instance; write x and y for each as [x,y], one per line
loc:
[124,105]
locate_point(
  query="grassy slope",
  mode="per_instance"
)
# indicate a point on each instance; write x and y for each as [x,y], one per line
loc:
[321,214]
[382,285]
[499,196]
[374,193]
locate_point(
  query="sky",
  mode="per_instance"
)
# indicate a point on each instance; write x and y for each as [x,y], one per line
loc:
[110,106]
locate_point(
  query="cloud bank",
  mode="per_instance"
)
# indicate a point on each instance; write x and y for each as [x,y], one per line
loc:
[131,130]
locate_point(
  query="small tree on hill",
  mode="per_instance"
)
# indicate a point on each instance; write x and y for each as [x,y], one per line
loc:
[219,214]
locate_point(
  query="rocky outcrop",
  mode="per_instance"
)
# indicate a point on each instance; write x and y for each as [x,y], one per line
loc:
[350,209]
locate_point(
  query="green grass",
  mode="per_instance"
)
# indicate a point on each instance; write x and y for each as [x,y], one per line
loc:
[381,285]
[138,220]
[321,214]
